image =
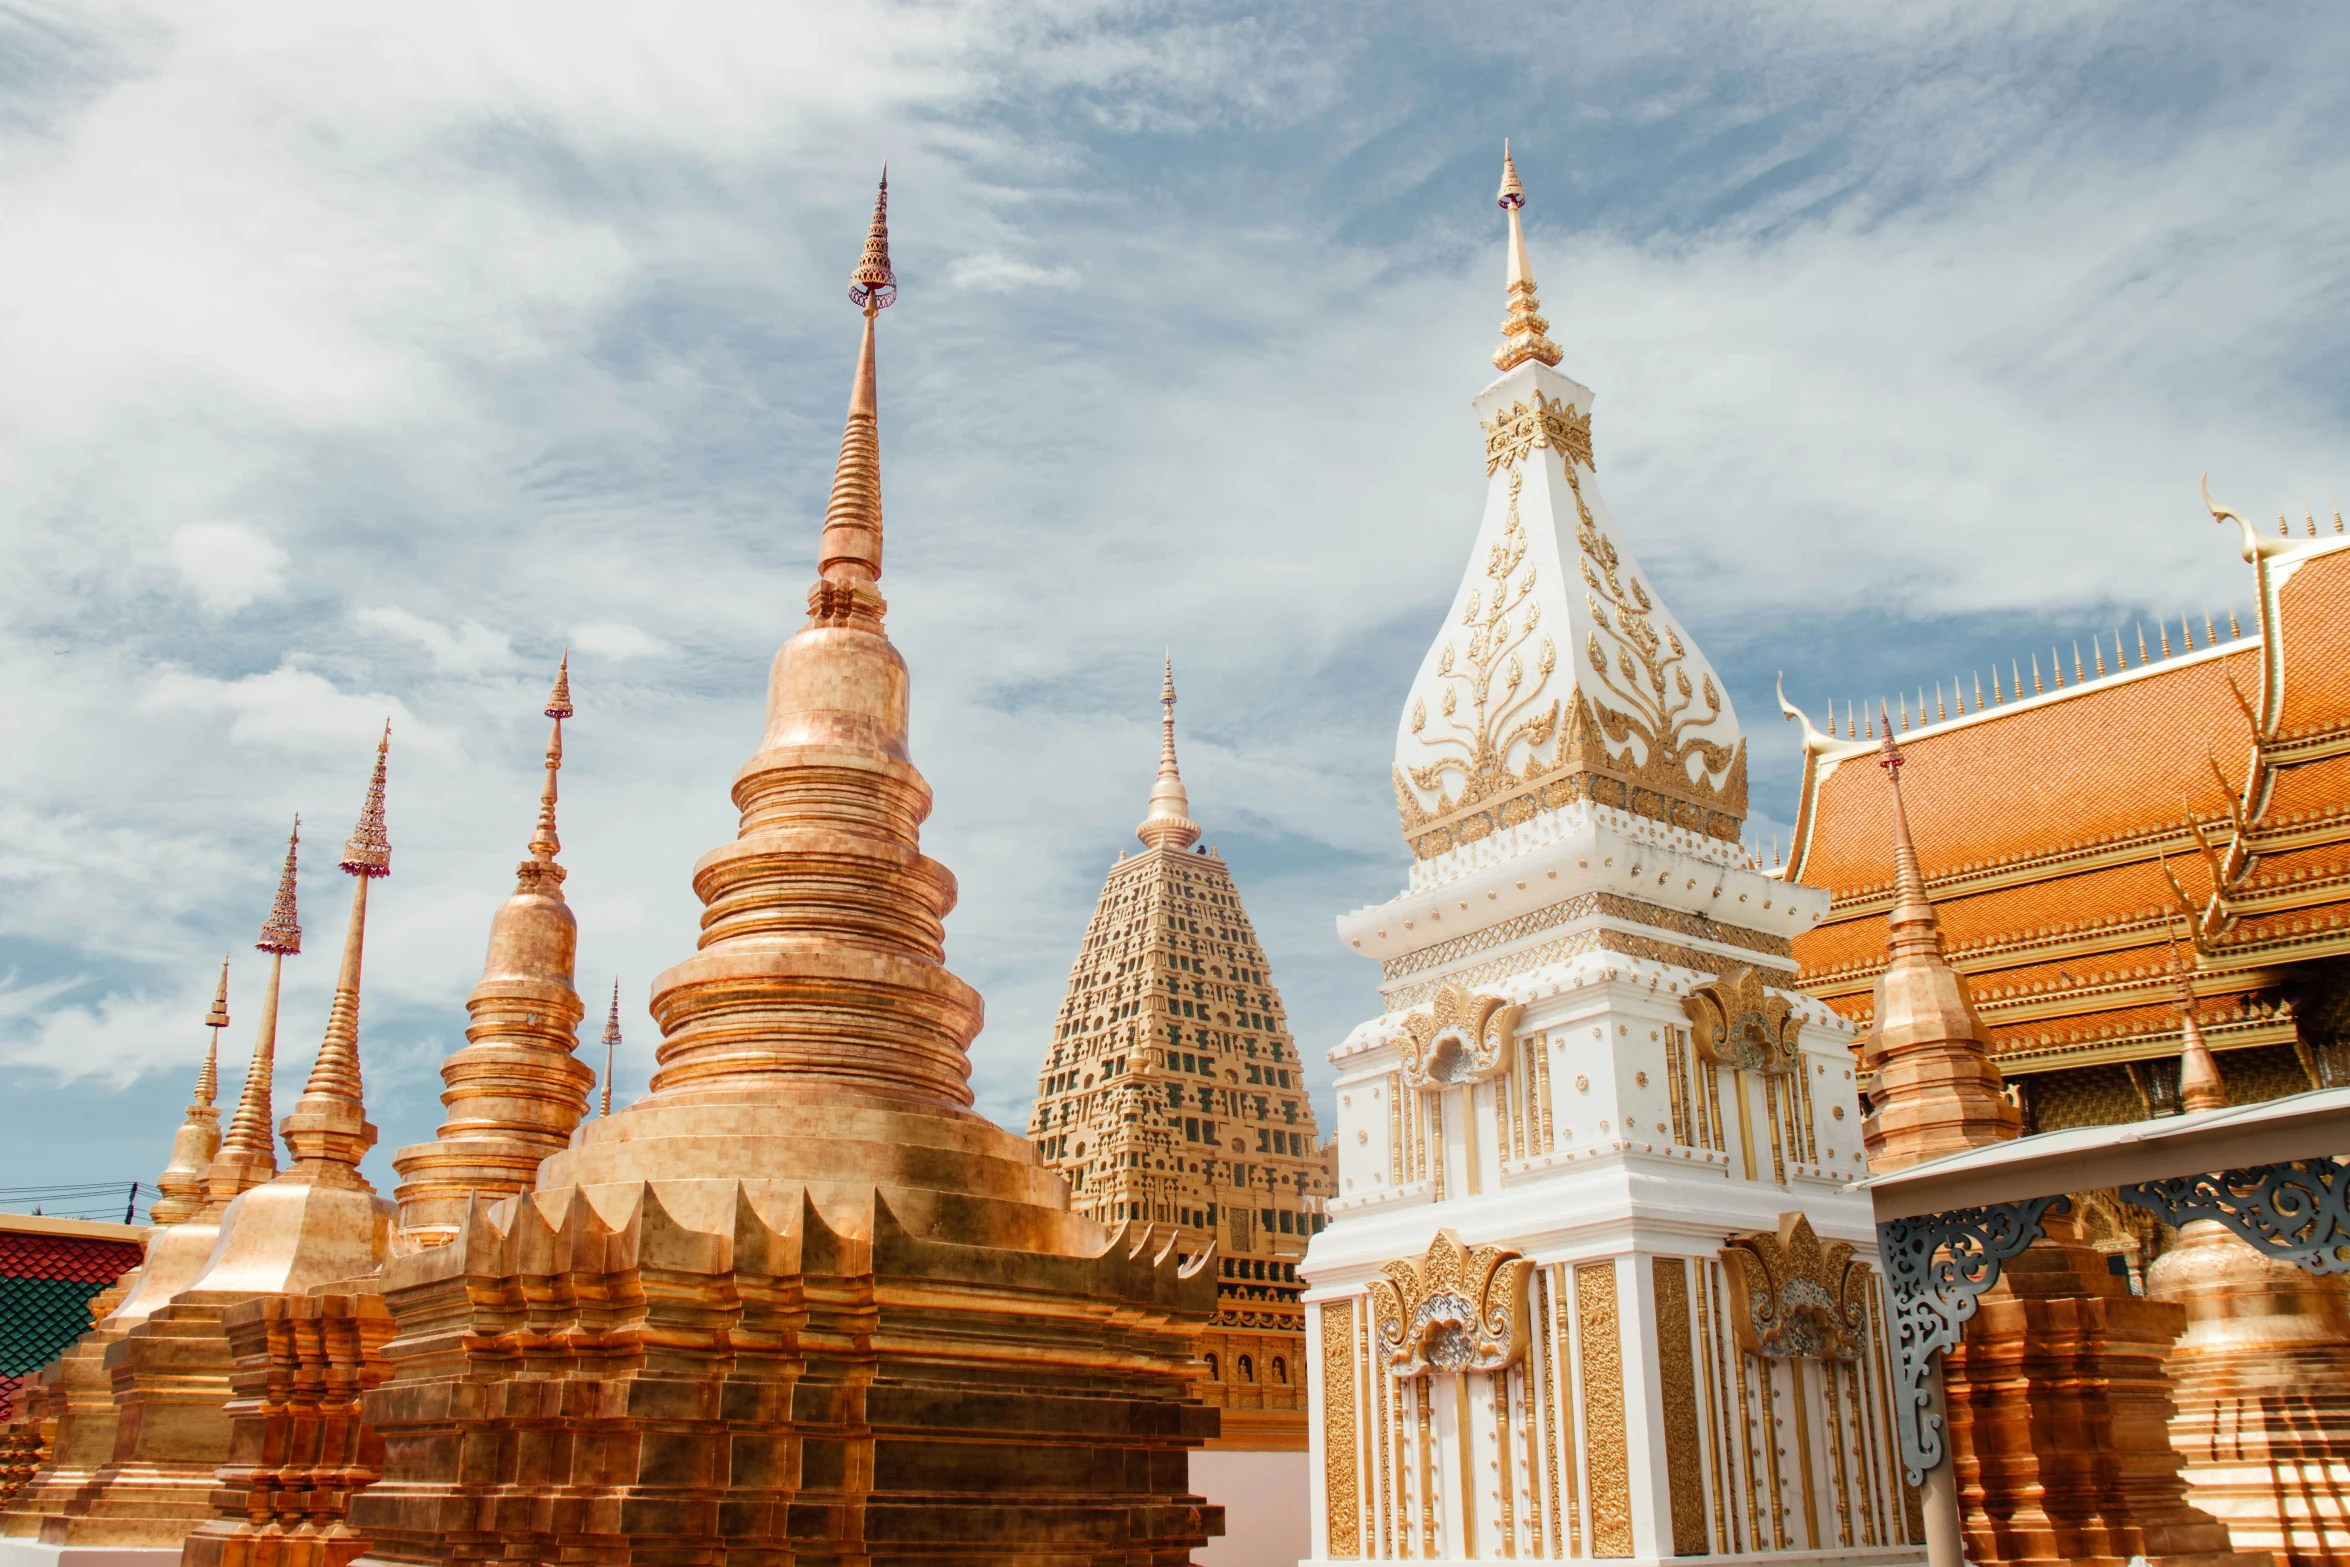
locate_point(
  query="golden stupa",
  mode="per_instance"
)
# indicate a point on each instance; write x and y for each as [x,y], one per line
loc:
[800,1302]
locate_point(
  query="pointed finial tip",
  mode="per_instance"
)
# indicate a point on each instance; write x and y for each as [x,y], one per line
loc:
[368,851]
[281,933]
[1513,193]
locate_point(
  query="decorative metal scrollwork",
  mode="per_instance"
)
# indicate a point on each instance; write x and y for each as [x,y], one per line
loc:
[1939,1265]
[2297,1212]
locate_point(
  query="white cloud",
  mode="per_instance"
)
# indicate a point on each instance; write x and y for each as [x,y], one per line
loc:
[467,648]
[620,643]
[994,273]
[227,565]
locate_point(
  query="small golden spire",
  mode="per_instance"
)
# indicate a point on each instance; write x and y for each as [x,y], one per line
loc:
[2144,657]
[2200,1087]
[1522,329]
[180,1188]
[217,1018]
[1940,712]
[1979,689]
[327,1132]
[544,842]
[1998,697]
[1851,724]
[2210,631]
[2187,630]
[2015,683]
[611,1043]
[1168,823]
[2234,630]
[873,286]
[2311,518]
[2056,667]
[248,1154]
[2164,628]
[2037,687]
[2097,646]
[2078,676]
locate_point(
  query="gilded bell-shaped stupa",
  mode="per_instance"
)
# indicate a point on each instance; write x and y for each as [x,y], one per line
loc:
[808,1304]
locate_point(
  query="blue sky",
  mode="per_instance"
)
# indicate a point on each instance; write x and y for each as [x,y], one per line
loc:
[355,360]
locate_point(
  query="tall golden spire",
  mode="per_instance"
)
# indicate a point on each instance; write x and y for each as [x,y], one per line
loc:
[1936,1089]
[2199,1082]
[328,1133]
[849,558]
[197,1141]
[611,1044]
[248,1154]
[1168,824]
[515,1089]
[1522,328]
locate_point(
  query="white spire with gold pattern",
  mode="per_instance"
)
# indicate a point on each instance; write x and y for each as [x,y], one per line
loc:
[1559,676]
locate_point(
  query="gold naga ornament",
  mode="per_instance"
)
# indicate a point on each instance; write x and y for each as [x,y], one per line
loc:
[1736,1021]
[1454,1309]
[1794,1295]
[1462,1037]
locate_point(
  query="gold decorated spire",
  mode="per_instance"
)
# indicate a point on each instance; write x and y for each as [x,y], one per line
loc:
[849,558]
[248,1154]
[368,852]
[544,842]
[2199,1082]
[327,1133]
[281,933]
[1937,1090]
[197,1142]
[1523,328]
[1168,823]
[611,1044]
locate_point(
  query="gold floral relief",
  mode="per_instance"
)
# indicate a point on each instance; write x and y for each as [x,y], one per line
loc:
[1340,1461]
[1455,1308]
[1607,1461]
[1462,1037]
[1524,427]
[1793,1295]
[1737,1021]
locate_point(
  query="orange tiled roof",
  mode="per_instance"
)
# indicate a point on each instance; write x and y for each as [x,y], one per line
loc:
[2099,762]
[2316,604]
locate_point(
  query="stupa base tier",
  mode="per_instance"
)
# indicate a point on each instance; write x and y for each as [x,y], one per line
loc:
[655,1393]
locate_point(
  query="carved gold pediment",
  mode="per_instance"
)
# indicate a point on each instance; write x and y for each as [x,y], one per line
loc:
[1736,1021]
[1456,1308]
[1793,1295]
[1462,1037]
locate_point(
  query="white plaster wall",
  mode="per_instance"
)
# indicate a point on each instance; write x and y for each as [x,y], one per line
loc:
[1265,1498]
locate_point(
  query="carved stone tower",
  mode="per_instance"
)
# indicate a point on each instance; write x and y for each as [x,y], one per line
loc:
[1172,1094]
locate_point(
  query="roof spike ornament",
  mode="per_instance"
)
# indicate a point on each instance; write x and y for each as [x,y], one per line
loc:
[2056,667]
[1998,697]
[1979,689]
[545,843]
[2037,687]
[327,1131]
[1168,824]
[2200,1087]
[611,1044]
[2234,630]
[2187,631]
[1522,328]
[2164,628]
[2144,657]
[2097,646]
[2078,675]
[248,1153]
[849,557]
[197,1142]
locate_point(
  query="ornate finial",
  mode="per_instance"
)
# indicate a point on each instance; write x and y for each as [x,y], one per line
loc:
[1168,823]
[873,286]
[368,851]
[611,1043]
[1522,329]
[281,933]
[217,1018]
[544,844]
[559,699]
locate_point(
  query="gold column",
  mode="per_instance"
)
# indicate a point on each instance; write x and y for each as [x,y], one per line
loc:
[1745,1122]
[1599,1335]
[1501,1454]
[1339,1457]
[1469,1156]
[1561,1444]
[1677,1378]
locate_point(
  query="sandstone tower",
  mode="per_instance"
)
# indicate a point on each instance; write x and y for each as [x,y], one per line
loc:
[1171,1094]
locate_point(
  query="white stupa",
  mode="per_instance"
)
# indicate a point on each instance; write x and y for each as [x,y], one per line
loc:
[1591,1286]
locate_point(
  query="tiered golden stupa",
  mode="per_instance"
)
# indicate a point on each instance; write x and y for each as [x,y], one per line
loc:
[800,1303]
[1172,1093]
[2196,787]
[197,1142]
[165,1351]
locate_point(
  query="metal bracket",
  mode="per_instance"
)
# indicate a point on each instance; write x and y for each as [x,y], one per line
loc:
[1938,1265]
[2297,1212]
